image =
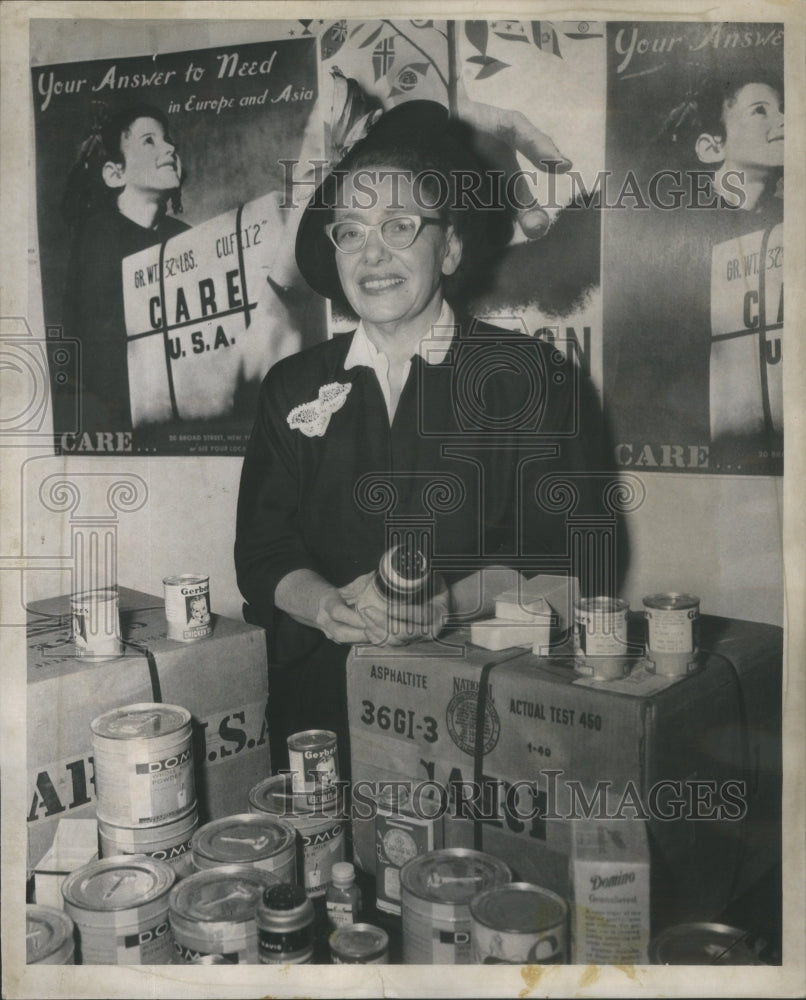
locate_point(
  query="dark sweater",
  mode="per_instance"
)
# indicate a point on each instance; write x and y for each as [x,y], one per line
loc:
[469,440]
[93,315]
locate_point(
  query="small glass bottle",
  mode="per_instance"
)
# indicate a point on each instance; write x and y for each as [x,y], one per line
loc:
[285,926]
[343,898]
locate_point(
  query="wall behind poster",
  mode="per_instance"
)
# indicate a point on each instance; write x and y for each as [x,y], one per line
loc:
[188,517]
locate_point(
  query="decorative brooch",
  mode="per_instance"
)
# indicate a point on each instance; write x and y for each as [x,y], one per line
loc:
[312,418]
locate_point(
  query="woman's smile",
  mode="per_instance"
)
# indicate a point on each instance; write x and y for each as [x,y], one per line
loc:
[393,290]
[378,284]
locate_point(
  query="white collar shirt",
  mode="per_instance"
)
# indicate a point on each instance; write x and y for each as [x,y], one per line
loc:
[432,349]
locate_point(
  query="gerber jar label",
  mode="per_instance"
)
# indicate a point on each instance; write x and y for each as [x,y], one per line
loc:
[187,607]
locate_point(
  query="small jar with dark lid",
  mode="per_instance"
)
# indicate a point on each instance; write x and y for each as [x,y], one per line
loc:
[285,919]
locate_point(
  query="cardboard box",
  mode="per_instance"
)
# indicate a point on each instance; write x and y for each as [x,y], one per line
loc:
[698,757]
[222,680]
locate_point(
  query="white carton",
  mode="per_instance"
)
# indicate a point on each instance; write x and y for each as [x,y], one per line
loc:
[75,845]
[522,611]
[502,633]
[556,594]
[609,880]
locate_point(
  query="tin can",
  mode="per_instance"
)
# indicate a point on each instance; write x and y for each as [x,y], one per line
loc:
[143,764]
[96,624]
[321,829]
[120,908]
[313,759]
[704,944]
[519,924]
[359,944]
[169,842]
[435,894]
[248,839]
[600,637]
[49,936]
[672,630]
[213,913]
[285,919]
[187,607]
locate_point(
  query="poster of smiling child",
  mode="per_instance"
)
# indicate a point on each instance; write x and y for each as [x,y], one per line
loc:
[694,339]
[164,250]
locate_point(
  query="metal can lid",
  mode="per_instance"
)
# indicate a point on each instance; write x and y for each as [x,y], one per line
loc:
[284,897]
[144,720]
[100,596]
[671,601]
[277,796]
[229,894]
[122,882]
[403,569]
[284,908]
[243,838]
[702,944]
[518,908]
[185,579]
[48,931]
[311,739]
[602,605]
[359,941]
[452,875]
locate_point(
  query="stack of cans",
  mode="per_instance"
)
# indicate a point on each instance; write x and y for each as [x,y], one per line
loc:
[306,800]
[120,910]
[145,783]
[212,913]
[255,839]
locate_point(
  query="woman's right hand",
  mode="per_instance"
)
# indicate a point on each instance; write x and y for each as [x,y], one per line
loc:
[311,600]
[339,622]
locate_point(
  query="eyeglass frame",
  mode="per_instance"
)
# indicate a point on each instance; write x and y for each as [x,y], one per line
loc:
[422,220]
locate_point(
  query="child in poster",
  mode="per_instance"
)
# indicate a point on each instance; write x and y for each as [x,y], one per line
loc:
[693,362]
[116,201]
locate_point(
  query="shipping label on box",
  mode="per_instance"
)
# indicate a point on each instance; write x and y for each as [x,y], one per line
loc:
[221,680]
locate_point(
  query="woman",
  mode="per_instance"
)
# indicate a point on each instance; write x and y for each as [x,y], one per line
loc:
[419,419]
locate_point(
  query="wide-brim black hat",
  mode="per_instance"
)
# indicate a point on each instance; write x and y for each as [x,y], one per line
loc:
[420,127]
